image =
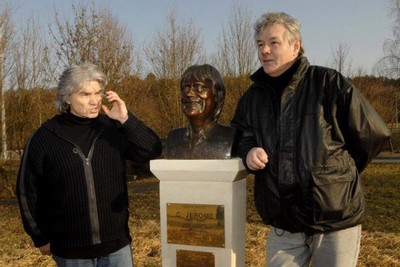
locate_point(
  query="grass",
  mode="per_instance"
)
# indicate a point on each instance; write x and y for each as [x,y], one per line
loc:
[380,244]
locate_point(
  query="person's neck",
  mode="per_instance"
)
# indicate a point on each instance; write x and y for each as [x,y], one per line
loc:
[200,126]
[290,70]
[281,81]
[72,118]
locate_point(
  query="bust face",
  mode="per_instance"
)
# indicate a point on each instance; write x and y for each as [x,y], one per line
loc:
[198,99]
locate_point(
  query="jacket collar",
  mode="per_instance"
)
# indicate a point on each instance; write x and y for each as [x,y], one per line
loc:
[259,75]
[291,88]
[53,124]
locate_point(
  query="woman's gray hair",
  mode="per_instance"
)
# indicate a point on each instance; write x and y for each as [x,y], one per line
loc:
[290,23]
[73,79]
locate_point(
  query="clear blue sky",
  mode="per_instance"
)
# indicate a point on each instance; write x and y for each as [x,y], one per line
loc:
[362,25]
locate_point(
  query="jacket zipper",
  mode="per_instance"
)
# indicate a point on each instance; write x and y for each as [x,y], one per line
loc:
[92,200]
[91,192]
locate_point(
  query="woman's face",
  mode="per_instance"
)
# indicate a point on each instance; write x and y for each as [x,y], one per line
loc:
[86,102]
[198,99]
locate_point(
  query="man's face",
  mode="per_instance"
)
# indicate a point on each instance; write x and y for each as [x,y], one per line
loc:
[86,102]
[275,52]
[198,100]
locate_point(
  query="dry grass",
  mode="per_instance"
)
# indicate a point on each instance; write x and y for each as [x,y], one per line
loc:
[380,249]
[388,154]
[380,244]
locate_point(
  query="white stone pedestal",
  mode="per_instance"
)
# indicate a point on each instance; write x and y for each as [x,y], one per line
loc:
[202,184]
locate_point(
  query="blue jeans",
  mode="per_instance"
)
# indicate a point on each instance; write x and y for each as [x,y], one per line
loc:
[333,249]
[119,258]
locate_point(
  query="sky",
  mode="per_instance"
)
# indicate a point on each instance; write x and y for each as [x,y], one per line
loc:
[360,25]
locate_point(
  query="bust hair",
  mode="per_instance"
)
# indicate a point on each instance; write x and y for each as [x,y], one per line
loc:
[207,72]
[290,23]
[73,79]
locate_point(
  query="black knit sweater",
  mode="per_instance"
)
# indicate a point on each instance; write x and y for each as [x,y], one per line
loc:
[78,202]
[81,131]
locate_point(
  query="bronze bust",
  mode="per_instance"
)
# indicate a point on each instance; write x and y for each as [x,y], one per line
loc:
[202,98]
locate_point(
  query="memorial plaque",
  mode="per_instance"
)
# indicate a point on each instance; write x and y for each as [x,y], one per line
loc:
[196,225]
[187,258]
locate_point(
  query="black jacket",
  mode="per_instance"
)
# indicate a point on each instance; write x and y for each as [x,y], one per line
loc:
[324,134]
[73,201]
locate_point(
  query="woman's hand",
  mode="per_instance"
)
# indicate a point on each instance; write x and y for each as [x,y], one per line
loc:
[118,109]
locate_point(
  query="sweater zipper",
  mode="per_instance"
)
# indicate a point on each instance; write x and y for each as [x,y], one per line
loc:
[92,200]
[91,192]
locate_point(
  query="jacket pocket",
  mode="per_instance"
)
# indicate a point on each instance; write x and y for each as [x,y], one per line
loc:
[333,192]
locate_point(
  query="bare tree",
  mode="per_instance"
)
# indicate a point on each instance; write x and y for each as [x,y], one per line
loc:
[96,36]
[116,49]
[389,64]
[340,60]
[170,52]
[339,56]
[24,114]
[6,31]
[236,57]
[174,49]
[29,72]
[360,71]
[30,58]
[236,54]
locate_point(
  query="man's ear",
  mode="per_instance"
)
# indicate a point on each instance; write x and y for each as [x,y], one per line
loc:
[296,47]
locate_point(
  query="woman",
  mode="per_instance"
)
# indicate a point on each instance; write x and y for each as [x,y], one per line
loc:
[71,185]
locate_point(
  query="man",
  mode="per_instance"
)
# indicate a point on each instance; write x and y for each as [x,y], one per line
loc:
[306,134]
[71,184]
[202,98]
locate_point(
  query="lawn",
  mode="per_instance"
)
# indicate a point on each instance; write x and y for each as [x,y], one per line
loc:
[380,244]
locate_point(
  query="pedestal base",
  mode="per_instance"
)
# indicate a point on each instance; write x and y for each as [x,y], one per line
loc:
[202,211]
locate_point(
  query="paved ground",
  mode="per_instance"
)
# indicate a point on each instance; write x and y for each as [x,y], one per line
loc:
[386,160]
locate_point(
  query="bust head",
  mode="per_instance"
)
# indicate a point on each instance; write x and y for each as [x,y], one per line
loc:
[202,96]
[202,93]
